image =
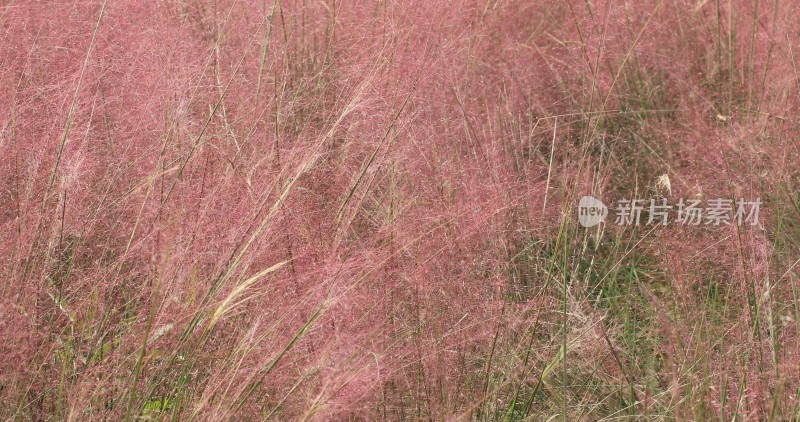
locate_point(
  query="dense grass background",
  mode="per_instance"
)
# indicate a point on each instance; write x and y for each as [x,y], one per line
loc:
[330,210]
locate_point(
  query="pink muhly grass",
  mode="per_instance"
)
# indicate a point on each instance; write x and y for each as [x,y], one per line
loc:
[365,211]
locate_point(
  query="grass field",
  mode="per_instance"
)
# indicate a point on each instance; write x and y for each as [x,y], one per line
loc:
[369,210]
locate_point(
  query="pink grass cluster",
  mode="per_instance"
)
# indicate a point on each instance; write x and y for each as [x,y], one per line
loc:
[333,210]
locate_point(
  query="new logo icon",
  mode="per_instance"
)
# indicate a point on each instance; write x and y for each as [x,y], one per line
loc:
[591,211]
